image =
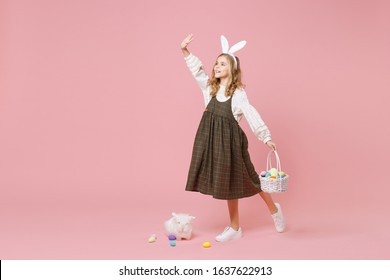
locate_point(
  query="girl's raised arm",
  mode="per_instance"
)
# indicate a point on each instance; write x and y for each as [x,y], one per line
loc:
[196,68]
[185,43]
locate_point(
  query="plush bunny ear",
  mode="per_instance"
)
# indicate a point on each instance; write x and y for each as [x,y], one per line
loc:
[237,47]
[224,44]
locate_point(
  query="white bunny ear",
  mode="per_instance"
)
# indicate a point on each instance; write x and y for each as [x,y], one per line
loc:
[237,47]
[224,44]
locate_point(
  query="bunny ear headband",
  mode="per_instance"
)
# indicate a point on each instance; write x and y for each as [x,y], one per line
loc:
[233,49]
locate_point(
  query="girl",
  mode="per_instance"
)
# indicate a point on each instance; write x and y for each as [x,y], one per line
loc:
[220,164]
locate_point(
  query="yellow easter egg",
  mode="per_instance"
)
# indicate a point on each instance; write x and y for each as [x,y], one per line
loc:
[273,171]
[152,238]
[206,244]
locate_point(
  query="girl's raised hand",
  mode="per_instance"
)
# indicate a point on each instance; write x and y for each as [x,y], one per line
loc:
[186,41]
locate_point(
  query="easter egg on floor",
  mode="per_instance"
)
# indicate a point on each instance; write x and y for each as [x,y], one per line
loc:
[206,245]
[172,243]
[152,238]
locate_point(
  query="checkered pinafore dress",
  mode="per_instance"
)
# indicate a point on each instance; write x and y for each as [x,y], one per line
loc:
[220,164]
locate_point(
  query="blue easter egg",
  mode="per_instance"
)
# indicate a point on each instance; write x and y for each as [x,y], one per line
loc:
[268,174]
[172,243]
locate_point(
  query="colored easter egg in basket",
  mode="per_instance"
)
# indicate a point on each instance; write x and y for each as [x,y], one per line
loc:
[273,172]
[272,177]
[281,173]
[268,174]
[263,173]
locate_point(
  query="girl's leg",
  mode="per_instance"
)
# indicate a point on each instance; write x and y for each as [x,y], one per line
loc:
[233,231]
[269,201]
[275,210]
[233,213]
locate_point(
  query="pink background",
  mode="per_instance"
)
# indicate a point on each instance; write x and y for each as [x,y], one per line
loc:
[98,114]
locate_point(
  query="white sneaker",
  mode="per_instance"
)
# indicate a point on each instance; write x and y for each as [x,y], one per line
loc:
[280,222]
[229,234]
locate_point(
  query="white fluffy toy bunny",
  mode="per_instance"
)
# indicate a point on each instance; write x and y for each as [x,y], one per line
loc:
[179,225]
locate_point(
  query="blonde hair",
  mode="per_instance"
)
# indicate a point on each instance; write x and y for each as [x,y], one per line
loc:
[234,80]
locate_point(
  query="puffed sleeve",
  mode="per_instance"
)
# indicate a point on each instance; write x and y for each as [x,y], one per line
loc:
[254,119]
[196,68]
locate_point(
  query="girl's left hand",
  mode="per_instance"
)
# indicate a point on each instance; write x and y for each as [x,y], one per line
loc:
[272,145]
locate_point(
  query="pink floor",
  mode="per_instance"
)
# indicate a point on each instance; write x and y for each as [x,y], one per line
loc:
[102,232]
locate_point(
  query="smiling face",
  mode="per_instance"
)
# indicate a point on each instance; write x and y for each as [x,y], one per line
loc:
[227,73]
[222,68]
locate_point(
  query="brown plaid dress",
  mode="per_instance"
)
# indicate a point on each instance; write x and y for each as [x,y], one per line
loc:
[220,163]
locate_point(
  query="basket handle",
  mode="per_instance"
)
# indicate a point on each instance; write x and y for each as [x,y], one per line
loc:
[269,163]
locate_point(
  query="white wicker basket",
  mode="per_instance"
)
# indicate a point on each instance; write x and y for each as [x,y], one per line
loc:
[271,185]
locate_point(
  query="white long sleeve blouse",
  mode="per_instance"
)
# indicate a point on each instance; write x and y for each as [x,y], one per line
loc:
[240,103]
